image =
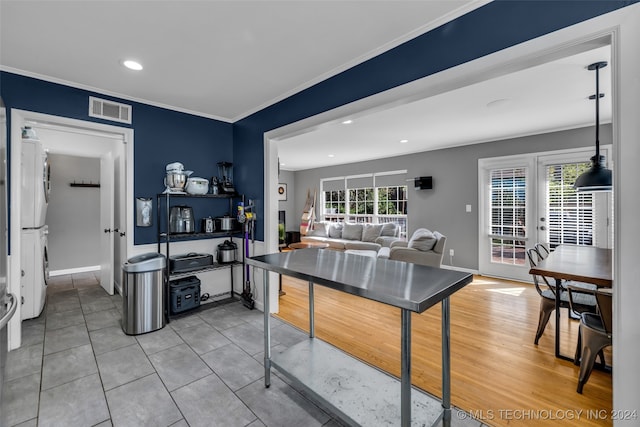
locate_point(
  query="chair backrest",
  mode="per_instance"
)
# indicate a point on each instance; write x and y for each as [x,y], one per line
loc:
[605,308]
[534,258]
[542,250]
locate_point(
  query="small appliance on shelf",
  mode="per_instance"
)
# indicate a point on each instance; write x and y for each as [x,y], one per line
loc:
[225,178]
[189,262]
[176,179]
[184,294]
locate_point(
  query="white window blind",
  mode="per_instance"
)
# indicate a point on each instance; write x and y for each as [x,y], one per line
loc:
[571,216]
[508,189]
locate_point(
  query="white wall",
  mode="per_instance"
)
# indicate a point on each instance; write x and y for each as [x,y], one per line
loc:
[73,215]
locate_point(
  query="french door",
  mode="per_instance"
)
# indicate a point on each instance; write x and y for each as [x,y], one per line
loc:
[567,217]
[530,198]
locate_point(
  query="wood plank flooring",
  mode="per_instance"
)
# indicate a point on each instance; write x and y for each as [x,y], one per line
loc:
[497,373]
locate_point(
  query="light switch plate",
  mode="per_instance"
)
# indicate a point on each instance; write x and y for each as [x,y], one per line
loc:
[468,208]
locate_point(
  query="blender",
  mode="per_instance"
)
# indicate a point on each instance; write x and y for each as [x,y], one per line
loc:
[225,177]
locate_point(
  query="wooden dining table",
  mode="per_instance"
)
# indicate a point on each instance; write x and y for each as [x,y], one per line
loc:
[586,264]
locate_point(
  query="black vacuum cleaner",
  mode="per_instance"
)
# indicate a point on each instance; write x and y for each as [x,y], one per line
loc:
[247,218]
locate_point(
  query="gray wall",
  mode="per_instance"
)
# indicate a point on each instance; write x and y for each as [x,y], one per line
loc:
[455,183]
[73,215]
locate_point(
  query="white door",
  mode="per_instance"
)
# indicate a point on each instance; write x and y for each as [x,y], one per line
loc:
[530,198]
[120,218]
[507,221]
[567,217]
[106,222]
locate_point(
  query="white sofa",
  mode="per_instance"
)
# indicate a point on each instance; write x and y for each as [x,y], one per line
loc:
[360,236]
[424,248]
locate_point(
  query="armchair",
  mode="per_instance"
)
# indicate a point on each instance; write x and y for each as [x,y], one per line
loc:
[424,248]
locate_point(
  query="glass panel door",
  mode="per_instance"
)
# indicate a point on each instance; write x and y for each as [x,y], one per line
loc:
[568,217]
[508,188]
[530,198]
[507,215]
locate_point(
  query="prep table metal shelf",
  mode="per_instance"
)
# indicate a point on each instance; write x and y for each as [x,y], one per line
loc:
[318,367]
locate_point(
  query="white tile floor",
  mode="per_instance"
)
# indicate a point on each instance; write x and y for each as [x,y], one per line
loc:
[77,368]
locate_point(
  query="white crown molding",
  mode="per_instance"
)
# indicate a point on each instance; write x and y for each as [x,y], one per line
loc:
[109,93]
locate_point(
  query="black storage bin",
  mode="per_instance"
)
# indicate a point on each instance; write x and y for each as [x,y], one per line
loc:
[184,294]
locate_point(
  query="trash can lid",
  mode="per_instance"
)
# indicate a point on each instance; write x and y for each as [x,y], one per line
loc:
[150,261]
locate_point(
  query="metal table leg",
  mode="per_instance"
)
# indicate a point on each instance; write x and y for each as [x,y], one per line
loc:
[267,330]
[446,364]
[557,314]
[312,326]
[405,369]
[557,337]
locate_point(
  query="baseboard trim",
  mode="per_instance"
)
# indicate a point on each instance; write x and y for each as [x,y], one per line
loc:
[464,270]
[66,271]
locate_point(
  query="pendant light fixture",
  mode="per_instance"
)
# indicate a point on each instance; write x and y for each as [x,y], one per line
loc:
[598,177]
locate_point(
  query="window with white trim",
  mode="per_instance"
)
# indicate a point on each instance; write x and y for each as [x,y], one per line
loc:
[378,205]
[334,203]
[508,189]
[571,216]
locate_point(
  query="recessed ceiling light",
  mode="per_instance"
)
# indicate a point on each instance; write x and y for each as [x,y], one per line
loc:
[281,164]
[347,122]
[404,141]
[132,65]
[331,155]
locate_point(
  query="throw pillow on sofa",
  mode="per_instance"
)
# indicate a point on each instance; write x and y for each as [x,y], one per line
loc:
[320,229]
[335,230]
[422,240]
[371,232]
[389,229]
[352,231]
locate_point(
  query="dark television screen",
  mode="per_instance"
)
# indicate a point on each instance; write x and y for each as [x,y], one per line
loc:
[424,183]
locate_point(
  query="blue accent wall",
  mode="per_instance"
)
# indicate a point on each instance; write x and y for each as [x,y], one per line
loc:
[493,27]
[161,136]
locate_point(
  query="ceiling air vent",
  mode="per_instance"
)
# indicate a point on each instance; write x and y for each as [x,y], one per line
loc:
[109,110]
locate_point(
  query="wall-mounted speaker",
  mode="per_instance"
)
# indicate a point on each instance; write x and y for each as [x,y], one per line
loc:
[423,182]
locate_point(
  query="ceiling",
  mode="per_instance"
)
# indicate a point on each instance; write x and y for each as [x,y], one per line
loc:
[219,59]
[548,97]
[228,59]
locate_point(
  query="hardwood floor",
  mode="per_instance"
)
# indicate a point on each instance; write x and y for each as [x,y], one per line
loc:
[497,373]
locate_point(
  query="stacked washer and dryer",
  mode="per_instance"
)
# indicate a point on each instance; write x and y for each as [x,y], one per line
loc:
[35,198]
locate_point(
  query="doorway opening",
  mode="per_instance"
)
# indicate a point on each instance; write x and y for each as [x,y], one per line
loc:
[113,147]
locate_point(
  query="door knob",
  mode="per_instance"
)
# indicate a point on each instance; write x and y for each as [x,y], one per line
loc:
[122,233]
[107,230]
[542,227]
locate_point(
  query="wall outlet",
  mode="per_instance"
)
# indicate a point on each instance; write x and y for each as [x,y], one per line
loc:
[450,252]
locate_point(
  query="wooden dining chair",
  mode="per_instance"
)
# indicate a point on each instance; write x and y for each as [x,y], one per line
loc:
[581,302]
[595,334]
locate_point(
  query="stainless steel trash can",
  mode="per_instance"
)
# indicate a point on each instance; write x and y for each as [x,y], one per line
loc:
[143,293]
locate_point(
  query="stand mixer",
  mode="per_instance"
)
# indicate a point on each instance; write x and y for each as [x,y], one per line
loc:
[176,178]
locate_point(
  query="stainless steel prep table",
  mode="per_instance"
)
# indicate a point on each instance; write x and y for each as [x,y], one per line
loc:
[327,373]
